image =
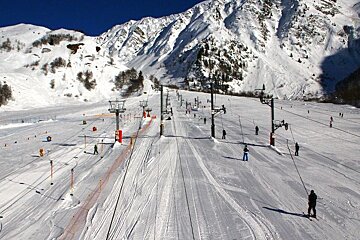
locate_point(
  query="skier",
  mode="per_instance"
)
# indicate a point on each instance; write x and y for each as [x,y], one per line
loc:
[224,134]
[246,154]
[256,130]
[205,120]
[297,149]
[312,203]
[95,149]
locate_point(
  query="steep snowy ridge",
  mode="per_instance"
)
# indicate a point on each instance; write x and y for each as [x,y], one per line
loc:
[126,40]
[298,49]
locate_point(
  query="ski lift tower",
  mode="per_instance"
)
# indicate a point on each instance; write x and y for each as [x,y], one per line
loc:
[148,110]
[161,111]
[214,110]
[117,107]
[269,100]
[144,104]
[167,99]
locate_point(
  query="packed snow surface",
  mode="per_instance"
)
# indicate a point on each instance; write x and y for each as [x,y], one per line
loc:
[184,184]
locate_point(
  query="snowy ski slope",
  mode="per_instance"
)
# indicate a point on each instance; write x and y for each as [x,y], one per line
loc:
[183,185]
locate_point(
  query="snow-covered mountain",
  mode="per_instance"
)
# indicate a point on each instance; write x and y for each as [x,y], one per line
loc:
[55,66]
[296,48]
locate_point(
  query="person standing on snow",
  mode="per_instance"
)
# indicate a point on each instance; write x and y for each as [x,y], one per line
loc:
[246,154]
[256,130]
[297,149]
[224,134]
[95,149]
[312,203]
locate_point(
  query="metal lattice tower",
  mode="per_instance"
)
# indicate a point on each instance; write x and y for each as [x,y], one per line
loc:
[117,106]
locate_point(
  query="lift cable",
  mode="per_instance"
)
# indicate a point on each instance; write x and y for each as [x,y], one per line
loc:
[122,185]
[287,143]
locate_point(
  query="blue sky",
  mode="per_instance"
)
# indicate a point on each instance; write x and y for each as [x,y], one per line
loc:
[90,16]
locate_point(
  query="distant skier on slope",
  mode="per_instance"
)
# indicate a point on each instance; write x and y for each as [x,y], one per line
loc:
[256,130]
[95,149]
[224,134]
[297,149]
[204,120]
[312,203]
[246,154]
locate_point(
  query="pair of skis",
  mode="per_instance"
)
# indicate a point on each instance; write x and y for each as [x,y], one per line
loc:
[310,217]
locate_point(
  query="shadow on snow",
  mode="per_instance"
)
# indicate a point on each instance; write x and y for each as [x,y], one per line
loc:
[286,212]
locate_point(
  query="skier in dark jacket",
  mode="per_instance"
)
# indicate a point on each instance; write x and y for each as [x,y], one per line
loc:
[246,154]
[312,203]
[297,149]
[95,149]
[256,130]
[224,134]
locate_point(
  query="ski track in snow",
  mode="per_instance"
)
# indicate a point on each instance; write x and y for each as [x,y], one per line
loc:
[186,185]
[259,229]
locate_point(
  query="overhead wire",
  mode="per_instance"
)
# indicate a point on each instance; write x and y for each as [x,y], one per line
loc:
[186,194]
[292,135]
[242,133]
[39,181]
[122,184]
[157,193]
[222,124]
[356,135]
[183,180]
[287,143]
